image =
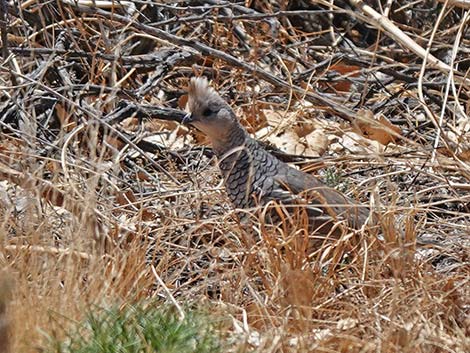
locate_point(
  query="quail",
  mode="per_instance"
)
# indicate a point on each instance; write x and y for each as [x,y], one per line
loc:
[253,177]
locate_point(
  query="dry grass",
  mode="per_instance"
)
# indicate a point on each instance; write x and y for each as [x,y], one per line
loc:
[90,218]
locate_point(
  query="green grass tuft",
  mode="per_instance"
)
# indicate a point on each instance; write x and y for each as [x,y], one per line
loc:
[140,329]
[333,178]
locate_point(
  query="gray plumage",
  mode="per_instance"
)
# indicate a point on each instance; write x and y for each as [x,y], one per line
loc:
[254,177]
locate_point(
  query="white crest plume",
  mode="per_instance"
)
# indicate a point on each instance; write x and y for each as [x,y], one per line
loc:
[200,94]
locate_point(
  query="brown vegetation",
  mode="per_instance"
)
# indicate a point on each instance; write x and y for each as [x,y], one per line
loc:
[104,198]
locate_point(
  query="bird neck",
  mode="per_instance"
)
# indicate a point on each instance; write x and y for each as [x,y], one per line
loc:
[235,137]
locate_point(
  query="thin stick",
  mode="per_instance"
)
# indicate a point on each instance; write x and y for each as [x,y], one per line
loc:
[172,298]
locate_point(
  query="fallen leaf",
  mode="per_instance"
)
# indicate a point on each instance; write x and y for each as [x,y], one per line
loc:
[464,155]
[182,101]
[130,124]
[273,117]
[342,85]
[304,129]
[148,215]
[142,176]
[125,198]
[356,143]
[254,118]
[288,142]
[317,141]
[378,129]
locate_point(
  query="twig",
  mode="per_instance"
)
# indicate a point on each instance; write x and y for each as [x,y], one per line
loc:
[57,198]
[4,37]
[3,27]
[145,61]
[127,109]
[313,97]
[170,296]
[49,250]
[394,32]
[51,194]
[464,4]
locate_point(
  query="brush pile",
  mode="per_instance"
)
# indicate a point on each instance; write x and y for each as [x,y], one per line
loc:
[105,197]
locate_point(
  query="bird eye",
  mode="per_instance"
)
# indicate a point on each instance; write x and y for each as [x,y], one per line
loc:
[207,112]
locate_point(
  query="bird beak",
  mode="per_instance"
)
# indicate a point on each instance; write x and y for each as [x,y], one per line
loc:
[187,119]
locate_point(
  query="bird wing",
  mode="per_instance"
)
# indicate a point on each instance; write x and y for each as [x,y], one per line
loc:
[324,203]
[283,195]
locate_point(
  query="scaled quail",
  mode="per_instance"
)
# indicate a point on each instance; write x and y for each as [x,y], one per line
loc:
[254,177]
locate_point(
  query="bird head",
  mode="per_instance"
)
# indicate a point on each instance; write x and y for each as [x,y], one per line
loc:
[208,112]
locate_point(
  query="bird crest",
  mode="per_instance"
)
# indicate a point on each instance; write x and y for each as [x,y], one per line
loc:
[200,94]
